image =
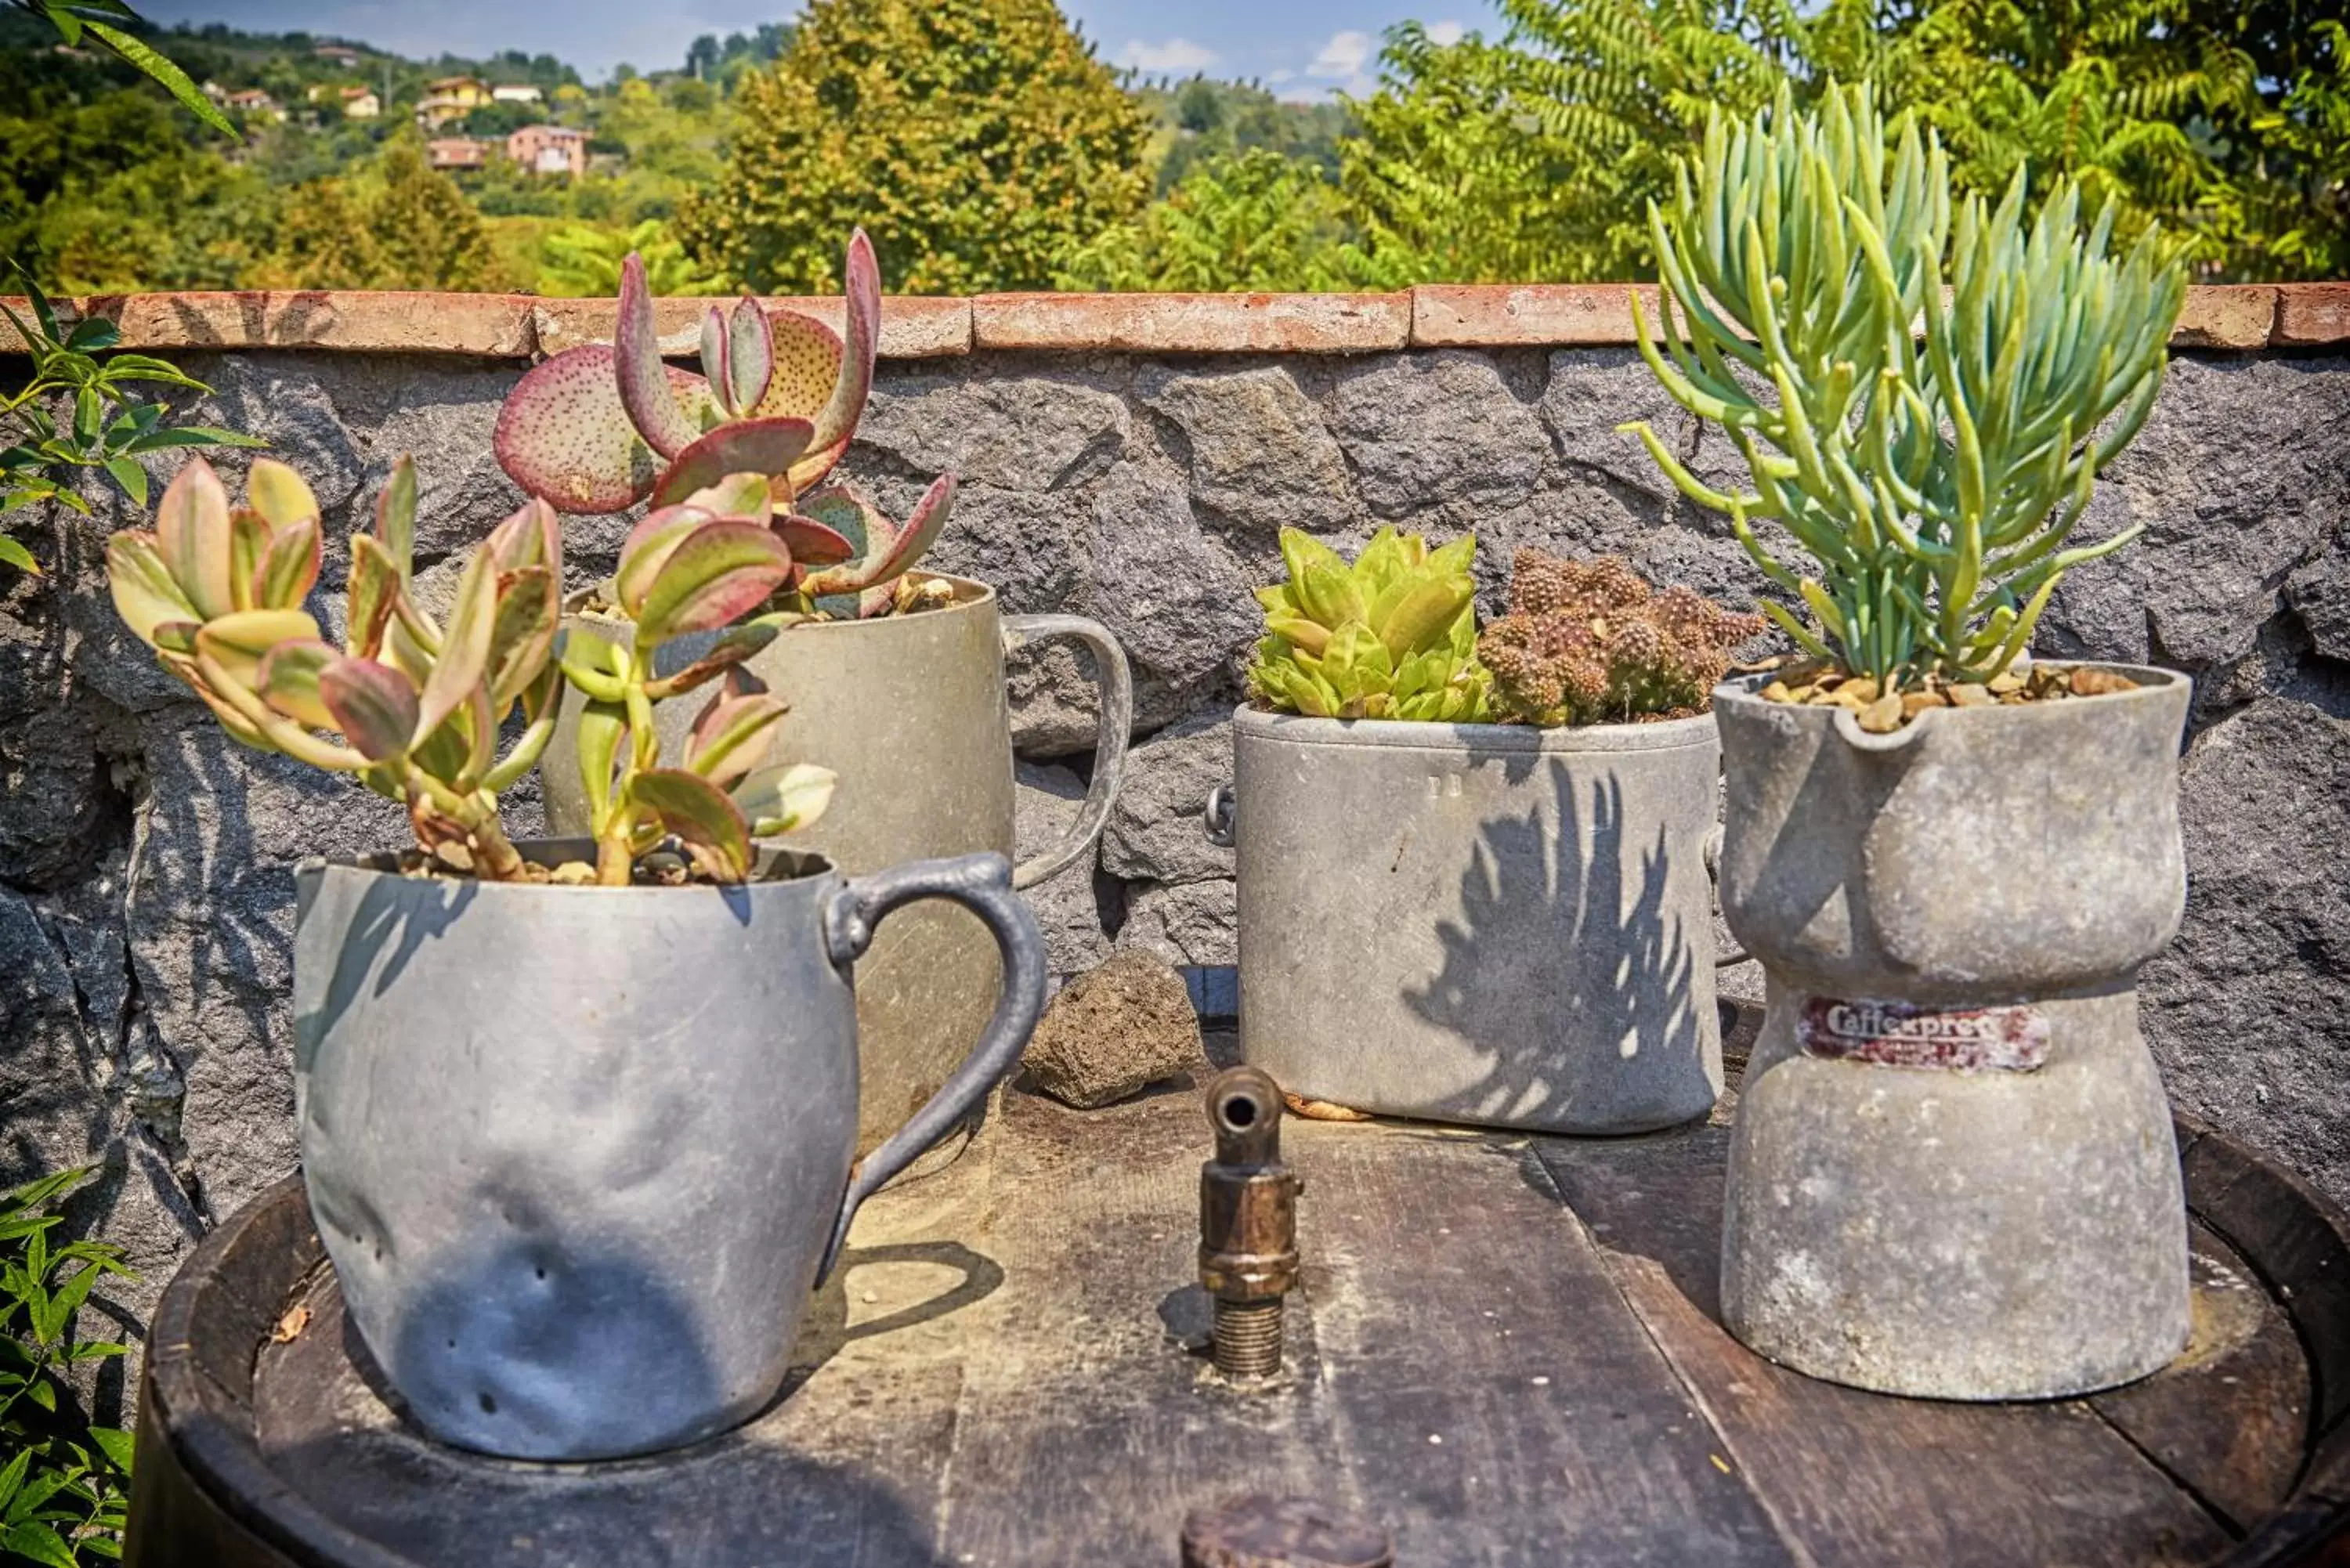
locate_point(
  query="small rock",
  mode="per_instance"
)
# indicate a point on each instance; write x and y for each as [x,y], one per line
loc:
[1322,1110]
[2090,682]
[2005,682]
[1777,693]
[1113,1031]
[1883,716]
[1861,688]
[1916,702]
[1968,694]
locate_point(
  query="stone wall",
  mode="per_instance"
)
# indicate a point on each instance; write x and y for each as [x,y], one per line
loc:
[1133,462]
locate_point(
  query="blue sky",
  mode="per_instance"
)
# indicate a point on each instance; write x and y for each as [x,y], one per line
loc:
[1301,48]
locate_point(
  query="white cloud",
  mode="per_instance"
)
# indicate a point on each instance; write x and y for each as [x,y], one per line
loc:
[1176,57]
[1283,74]
[1445,34]
[1342,56]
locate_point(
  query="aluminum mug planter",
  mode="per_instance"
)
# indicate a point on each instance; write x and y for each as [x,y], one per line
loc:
[578,1154]
[1953,1173]
[1480,923]
[909,711]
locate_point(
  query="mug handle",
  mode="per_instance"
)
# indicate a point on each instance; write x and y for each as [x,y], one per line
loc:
[1113,721]
[981,883]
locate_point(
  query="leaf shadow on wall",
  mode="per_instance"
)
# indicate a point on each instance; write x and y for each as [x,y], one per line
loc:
[1613,1019]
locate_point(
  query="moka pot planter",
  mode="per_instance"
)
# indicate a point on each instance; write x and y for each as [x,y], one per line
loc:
[909,711]
[579,1153]
[1480,923]
[1952,1172]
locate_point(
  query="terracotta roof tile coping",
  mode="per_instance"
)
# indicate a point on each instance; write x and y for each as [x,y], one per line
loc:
[513,327]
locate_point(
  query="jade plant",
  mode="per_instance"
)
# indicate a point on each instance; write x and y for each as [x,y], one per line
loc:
[1392,636]
[1591,643]
[601,426]
[1922,400]
[412,705]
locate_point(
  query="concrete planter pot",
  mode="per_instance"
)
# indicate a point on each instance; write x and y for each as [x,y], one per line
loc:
[578,1154]
[1480,923]
[909,711]
[1953,1173]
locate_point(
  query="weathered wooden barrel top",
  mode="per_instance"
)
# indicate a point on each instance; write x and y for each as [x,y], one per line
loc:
[1503,1351]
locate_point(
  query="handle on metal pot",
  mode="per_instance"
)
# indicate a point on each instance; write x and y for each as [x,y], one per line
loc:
[981,883]
[1220,818]
[1113,720]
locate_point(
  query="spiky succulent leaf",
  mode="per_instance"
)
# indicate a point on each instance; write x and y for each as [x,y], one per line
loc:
[289,566]
[814,544]
[464,656]
[862,285]
[372,704]
[750,355]
[145,595]
[603,730]
[248,542]
[718,573]
[192,532]
[747,496]
[643,380]
[278,494]
[289,680]
[890,549]
[237,642]
[732,731]
[748,446]
[521,634]
[783,797]
[532,537]
[395,517]
[701,817]
[373,594]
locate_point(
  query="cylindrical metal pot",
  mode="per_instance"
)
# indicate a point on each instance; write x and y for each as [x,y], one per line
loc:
[909,711]
[1953,1173]
[1480,923]
[578,1154]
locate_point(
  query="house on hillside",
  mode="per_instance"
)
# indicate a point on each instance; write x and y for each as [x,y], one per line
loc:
[254,102]
[516,92]
[456,152]
[550,149]
[361,103]
[342,55]
[450,98]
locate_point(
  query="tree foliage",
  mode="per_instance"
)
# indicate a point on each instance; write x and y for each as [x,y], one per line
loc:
[976,141]
[1534,155]
[1253,220]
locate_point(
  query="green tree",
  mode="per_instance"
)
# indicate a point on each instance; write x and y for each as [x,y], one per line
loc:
[1253,220]
[974,140]
[323,242]
[426,234]
[579,261]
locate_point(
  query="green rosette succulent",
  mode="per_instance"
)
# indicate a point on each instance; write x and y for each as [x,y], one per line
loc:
[1392,636]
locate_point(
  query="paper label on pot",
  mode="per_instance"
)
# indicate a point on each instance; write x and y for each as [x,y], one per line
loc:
[1901,1034]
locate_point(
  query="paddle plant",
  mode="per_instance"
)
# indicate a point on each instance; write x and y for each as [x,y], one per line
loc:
[601,426]
[413,704]
[1923,398]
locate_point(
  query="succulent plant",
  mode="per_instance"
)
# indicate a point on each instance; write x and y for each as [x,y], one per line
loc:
[412,705]
[1393,636]
[1932,478]
[601,426]
[1591,643]
[697,567]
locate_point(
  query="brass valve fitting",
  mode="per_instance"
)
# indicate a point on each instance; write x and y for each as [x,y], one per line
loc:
[1248,1224]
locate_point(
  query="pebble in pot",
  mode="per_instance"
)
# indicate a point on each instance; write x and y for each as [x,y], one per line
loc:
[1952,1172]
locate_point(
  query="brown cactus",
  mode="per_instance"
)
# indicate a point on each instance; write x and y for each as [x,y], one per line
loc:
[1589,642]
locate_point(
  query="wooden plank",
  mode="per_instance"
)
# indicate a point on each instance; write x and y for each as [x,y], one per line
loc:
[842,1472]
[1858,1478]
[2294,1239]
[2229,1418]
[1462,1373]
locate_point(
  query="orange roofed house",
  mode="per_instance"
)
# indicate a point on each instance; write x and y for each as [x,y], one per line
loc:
[550,149]
[456,152]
